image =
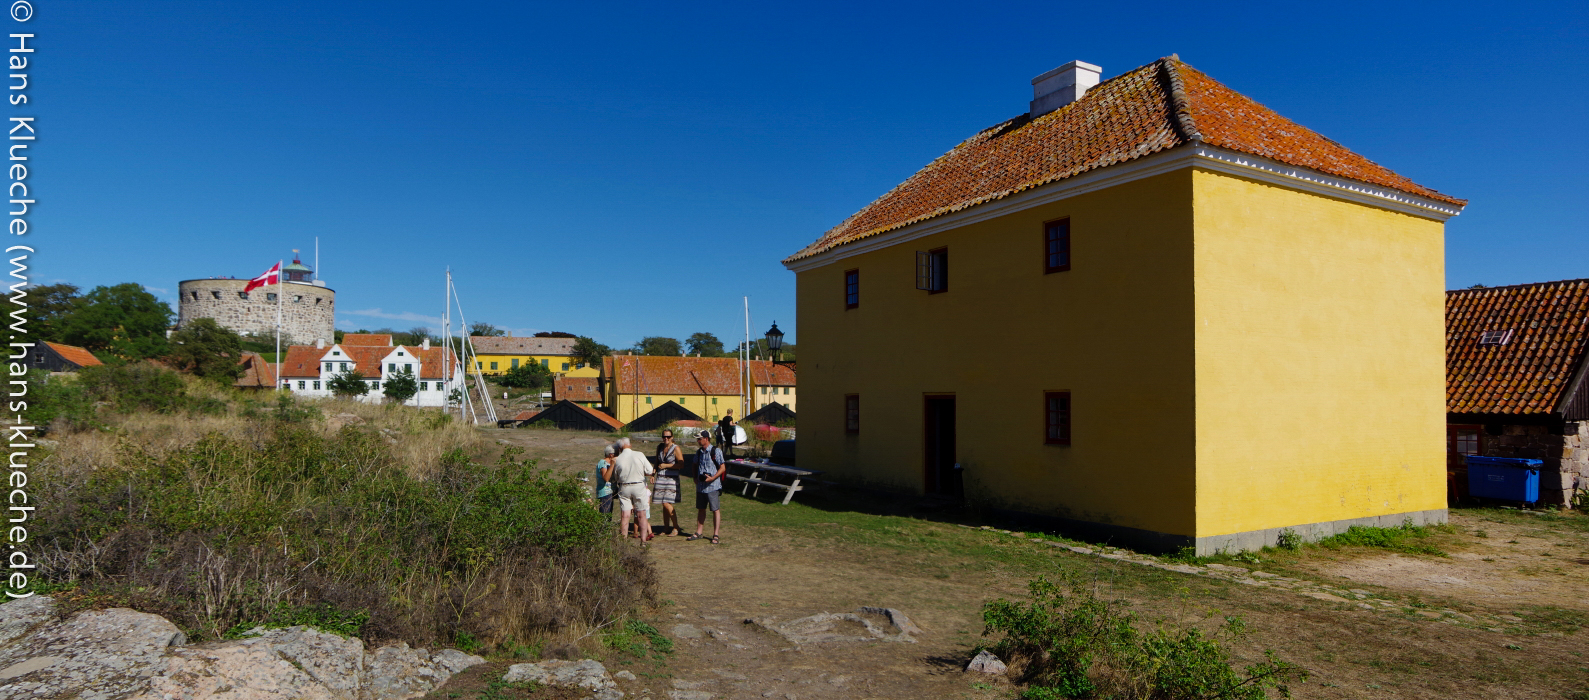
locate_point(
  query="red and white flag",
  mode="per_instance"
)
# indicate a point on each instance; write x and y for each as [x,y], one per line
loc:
[271,276]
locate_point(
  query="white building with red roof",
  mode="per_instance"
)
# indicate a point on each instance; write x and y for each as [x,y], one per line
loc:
[307,370]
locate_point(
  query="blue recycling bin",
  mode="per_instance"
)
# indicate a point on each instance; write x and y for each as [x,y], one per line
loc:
[1504,478]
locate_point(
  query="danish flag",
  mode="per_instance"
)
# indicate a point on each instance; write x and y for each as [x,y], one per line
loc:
[271,276]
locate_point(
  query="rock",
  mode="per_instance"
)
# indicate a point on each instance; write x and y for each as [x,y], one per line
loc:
[986,662]
[689,695]
[682,684]
[209,670]
[624,676]
[95,655]
[400,672]
[896,618]
[829,627]
[587,673]
[686,631]
[1321,595]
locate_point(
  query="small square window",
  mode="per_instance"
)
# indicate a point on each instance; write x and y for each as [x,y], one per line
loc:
[1495,337]
[648,401]
[300,386]
[565,366]
[1057,410]
[786,391]
[514,364]
[343,366]
[217,295]
[424,386]
[478,365]
[852,288]
[546,364]
[714,400]
[375,385]
[242,295]
[195,296]
[317,385]
[297,299]
[1056,246]
[493,365]
[852,413]
[270,296]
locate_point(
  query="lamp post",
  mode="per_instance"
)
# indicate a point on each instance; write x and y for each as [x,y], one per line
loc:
[775,345]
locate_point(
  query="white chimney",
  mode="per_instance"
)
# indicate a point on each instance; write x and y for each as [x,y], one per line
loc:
[320,343]
[424,344]
[1062,86]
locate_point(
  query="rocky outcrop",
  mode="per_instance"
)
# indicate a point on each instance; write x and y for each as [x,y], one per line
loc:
[124,654]
[587,674]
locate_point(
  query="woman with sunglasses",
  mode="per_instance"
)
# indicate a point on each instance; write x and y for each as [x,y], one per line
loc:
[666,488]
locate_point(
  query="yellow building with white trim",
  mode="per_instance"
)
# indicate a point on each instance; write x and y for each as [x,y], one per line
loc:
[1213,326]
[498,354]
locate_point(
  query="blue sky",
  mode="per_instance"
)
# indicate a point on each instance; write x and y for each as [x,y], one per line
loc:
[628,170]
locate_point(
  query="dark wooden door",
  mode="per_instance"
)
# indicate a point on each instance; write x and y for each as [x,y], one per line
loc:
[942,476]
[1461,440]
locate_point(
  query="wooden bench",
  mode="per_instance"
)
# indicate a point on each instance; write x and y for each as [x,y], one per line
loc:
[758,472]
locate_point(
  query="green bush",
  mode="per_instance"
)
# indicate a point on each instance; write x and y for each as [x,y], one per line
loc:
[1403,538]
[227,532]
[134,387]
[59,403]
[1069,643]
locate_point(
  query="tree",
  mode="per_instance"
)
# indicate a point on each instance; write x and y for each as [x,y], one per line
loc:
[555,334]
[400,386]
[704,344]
[485,329]
[51,304]
[418,335]
[207,350]
[530,375]
[588,352]
[658,345]
[123,320]
[348,384]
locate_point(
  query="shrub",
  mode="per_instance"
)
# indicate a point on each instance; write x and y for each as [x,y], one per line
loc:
[1402,538]
[57,403]
[400,387]
[134,387]
[529,375]
[348,384]
[1069,643]
[287,525]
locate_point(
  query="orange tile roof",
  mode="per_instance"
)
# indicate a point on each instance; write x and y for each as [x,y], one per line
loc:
[503,345]
[1548,324]
[685,376]
[1154,108]
[617,425]
[75,355]
[257,373]
[525,415]
[302,362]
[362,339]
[576,389]
[765,373]
[430,361]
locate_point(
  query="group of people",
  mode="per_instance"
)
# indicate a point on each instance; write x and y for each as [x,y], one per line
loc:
[626,476]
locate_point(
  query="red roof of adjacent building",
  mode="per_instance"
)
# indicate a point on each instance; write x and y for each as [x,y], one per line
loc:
[361,339]
[430,361]
[646,374]
[302,362]
[1154,108]
[765,373]
[75,355]
[257,373]
[617,425]
[576,389]
[1538,339]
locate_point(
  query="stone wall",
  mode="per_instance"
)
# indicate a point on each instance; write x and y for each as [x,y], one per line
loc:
[1566,456]
[308,312]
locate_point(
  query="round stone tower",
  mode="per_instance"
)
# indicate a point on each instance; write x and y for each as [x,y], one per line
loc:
[308,307]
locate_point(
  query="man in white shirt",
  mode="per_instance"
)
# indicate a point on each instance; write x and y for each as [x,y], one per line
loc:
[629,477]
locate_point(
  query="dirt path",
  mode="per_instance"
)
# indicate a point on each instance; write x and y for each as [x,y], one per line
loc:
[829,554]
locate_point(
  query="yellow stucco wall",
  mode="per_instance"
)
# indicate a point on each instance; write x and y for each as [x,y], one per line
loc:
[1320,358]
[701,405]
[553,363]
[1115,330]
[774,393]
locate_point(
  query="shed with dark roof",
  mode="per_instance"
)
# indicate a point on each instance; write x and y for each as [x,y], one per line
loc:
[567,415]
[669,412]
[772,414]
[59,357]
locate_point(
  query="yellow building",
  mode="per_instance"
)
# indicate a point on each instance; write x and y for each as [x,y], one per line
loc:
[498,354]
[634,385]
[1210,325]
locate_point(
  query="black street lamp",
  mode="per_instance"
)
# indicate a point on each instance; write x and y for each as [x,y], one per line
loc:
[775,344]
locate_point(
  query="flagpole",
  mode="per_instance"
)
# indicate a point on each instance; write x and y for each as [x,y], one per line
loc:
[281,291]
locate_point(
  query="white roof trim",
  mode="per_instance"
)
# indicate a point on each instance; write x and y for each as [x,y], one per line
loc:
[1195,155]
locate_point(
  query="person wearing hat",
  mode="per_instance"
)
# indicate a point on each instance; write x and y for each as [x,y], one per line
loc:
[709,471]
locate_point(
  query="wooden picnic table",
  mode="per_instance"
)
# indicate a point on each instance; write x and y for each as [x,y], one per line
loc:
[770,476]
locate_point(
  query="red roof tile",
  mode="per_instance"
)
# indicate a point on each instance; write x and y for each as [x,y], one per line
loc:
[75,355]
[1154,108]
[257,373]
[302,362]
[765,373]
[576,389]
[367,339]
[430,361]
[503,345]
[711,376]
[1530,372]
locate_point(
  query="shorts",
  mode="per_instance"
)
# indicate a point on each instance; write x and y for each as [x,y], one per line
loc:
[708,500]
[634,496]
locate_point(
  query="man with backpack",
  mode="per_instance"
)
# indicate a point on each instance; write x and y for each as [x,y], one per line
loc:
[710,469]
